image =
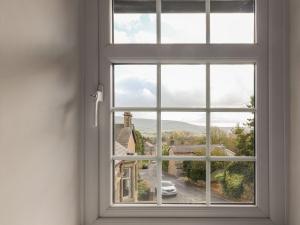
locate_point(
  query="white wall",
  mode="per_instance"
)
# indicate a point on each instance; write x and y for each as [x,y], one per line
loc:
[294,155]
[39,112]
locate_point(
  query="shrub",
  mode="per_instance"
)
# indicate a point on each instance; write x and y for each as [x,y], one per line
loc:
[194,170]
[233,185]
[143,190]
[238,179]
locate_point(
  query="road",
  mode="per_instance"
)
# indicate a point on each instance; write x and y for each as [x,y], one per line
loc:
[186,193]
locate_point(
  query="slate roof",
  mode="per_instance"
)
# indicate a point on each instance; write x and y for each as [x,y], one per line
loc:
[119,151]
[124,136]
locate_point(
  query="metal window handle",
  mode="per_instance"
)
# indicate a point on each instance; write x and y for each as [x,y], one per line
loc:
[98,97]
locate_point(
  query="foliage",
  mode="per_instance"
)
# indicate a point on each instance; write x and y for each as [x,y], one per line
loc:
[220,137]
[237,177]
[194,170]
[165,164]
[233,185]
[217,165]
[139,142]
[144,164]
[143,190]
[183,138]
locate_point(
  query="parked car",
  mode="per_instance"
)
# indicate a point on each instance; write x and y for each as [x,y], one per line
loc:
[168,188]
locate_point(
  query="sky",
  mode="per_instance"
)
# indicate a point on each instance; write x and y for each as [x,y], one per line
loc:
[184,28]
[184,85]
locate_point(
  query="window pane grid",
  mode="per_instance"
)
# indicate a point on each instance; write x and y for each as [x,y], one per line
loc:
[208,158]
[223,19]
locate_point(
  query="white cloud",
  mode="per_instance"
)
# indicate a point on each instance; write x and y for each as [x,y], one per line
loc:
[121,37]
[183,85]
[231,85]
[134,28]
[183,28]
[232,27]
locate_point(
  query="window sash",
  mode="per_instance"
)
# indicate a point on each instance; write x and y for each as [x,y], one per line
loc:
[159,158]
[171,6]
[175,6]
[184,53]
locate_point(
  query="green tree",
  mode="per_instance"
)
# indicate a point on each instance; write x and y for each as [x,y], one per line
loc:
[245,136]
[194,170]
[139,142]
[238,177]
[165,163]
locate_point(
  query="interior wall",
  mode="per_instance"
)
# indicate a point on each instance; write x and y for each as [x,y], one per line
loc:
[39,112]
[294,154]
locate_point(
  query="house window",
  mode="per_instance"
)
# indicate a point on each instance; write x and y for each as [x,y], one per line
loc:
[126,183]
[187,109]
[190,22]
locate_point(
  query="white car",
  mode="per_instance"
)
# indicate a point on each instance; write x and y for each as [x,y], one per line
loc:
[168,188]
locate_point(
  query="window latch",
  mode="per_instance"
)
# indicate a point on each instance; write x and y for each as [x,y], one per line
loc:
[98,97]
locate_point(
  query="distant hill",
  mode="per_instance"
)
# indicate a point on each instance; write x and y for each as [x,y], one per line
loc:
[149,126]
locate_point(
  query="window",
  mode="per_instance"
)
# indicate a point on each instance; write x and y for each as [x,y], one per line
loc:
[174,21]
[193,135]
[188,126]
[126,183]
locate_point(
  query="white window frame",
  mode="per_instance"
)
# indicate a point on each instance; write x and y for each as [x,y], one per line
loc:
[269,56]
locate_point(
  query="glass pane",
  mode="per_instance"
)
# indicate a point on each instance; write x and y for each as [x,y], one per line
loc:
[134,133]
[232,21]
[183,22]
[232,86]
[232,134]
[183,133]
[139,184]
[183,182]
[135,85]
[233,182]
[134,21]
[183,85]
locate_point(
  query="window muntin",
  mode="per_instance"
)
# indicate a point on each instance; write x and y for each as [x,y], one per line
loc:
[232,21]
[130,130]
[133,83]
[238,182]
[189,22]
[180,191]
[134,21]
[239,88]
[183,22]
[126,183]
[223,147]
[183,86]
[222,124]
[131,184]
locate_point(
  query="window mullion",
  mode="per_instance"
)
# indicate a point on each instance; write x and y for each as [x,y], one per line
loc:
[207,12]
[159,145]
[158,21]
[208,134]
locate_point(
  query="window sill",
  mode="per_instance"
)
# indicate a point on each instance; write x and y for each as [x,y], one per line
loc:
[186,221]
[237,211]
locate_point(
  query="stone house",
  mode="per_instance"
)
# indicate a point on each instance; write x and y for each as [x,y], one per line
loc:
[126,172]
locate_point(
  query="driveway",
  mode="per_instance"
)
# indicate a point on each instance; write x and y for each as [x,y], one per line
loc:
[186,193]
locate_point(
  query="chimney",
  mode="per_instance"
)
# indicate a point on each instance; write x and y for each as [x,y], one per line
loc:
[127,119]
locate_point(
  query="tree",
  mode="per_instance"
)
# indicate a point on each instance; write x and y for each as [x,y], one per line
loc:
[165,164]
[238,177]
[245,137]
[139,142]
[194,170]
